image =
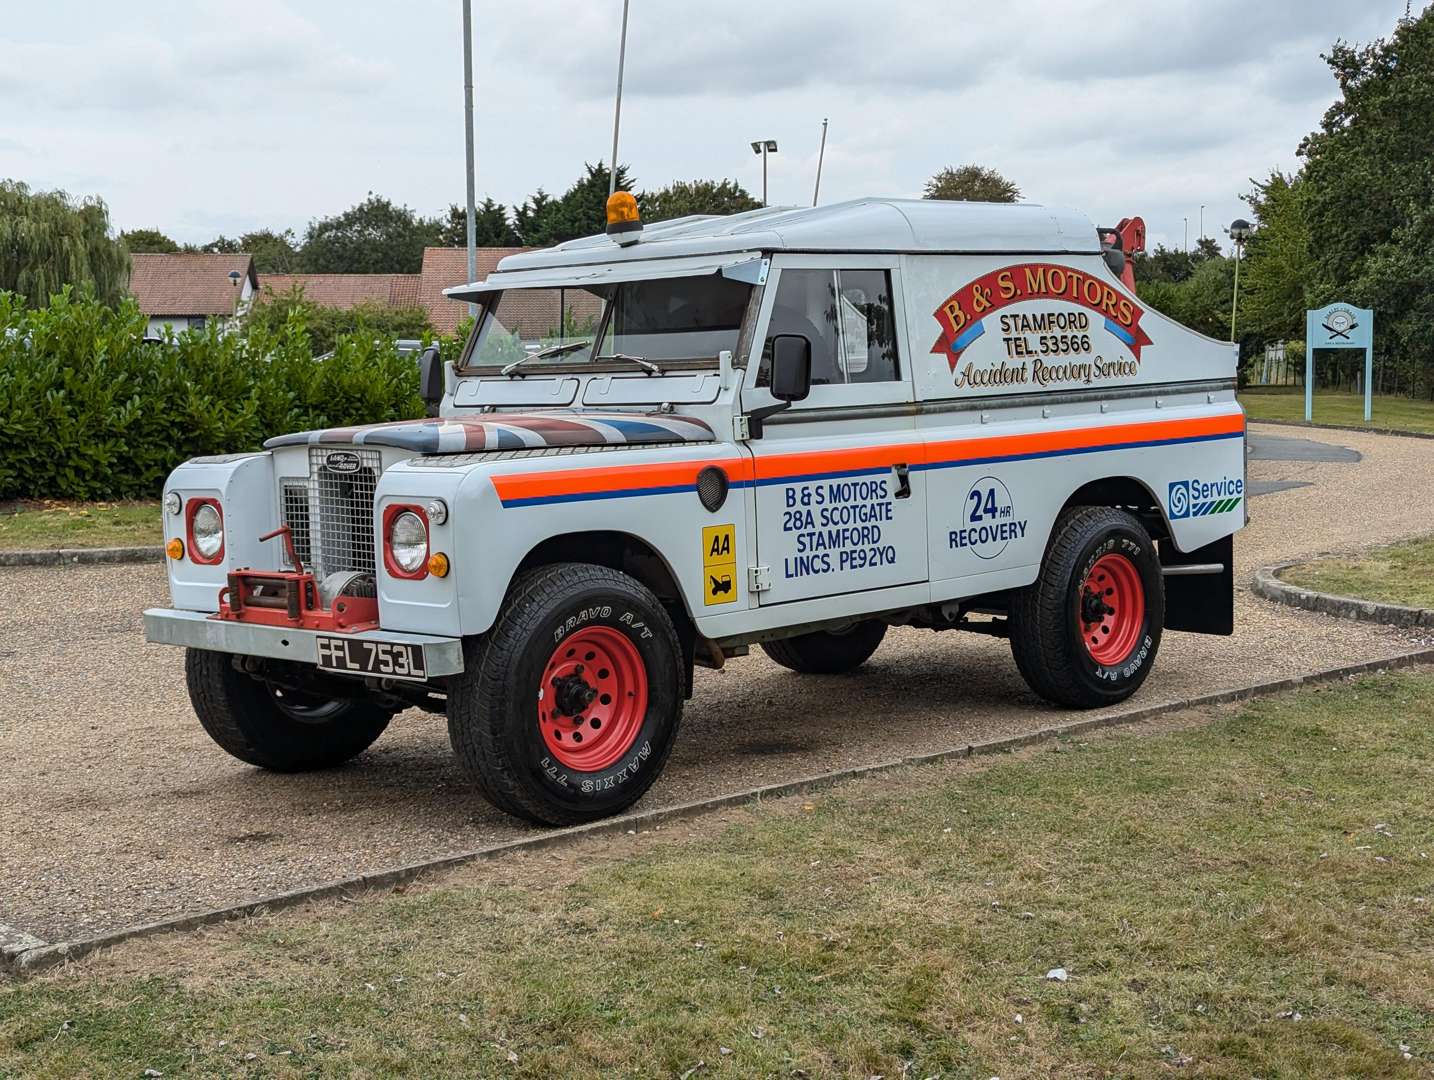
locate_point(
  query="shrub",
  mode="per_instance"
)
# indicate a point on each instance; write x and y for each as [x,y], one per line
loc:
[89,410]
[326,325]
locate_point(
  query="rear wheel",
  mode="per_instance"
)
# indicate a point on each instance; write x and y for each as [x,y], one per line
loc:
[1085,633]
[568,707]
[274,728]
[828,652]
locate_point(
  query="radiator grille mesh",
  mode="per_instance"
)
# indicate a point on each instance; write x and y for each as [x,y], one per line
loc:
[294,495]
[331,514]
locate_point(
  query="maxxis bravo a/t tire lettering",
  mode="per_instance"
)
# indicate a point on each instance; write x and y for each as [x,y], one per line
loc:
[1085,633]
[568,707]
[826,653]
[241,714]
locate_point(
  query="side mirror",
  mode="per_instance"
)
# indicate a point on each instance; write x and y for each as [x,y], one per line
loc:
[791,367]
[430,375]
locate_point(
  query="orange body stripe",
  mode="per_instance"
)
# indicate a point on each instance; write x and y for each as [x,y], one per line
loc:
[612,477]
[1083,438]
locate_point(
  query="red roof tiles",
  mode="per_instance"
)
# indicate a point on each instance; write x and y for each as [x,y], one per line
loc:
[189,283]
[345,291]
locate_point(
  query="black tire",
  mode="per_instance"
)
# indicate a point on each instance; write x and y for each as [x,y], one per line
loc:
[828,652]
[276,729]
[1049,631]
[495,705]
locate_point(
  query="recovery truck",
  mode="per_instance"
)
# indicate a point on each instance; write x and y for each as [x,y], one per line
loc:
[793,428]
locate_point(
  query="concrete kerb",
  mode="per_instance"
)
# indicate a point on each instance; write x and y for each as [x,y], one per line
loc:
[1345,427]
[81,556]
[1268,584]
[25,954]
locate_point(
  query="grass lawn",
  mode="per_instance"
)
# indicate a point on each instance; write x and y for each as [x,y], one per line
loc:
[1399,574]
[1346,410]
[33,525]
[1253,896]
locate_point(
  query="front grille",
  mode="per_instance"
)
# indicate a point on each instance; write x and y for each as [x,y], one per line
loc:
[294,495]
[331,514]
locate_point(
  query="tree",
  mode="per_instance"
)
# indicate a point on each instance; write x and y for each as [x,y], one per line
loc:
[48,241]
[374,237]
[491,227]
[1278,261]
[1369,202]
[971,183]
[581,211]
[325,325]
[681,198]
[147,242]
[1200,301]
[1162,265]
[274,253]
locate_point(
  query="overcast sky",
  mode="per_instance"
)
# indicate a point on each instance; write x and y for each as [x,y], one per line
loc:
[199,116]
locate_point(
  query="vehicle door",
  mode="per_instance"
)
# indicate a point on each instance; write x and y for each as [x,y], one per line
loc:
[840,507]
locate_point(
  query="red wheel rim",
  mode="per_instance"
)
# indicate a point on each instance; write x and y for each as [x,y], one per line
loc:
[1111,609]
[592,699]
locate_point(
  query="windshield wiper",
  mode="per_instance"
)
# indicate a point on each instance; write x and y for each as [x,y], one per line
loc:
[641,361]
[543,354]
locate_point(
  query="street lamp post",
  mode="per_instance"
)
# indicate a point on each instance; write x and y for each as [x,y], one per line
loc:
[764,147]
[1187,236]
[1240,231]
[470,213]
[1202,221]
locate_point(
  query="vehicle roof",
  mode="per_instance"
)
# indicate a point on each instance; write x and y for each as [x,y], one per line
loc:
[861,225]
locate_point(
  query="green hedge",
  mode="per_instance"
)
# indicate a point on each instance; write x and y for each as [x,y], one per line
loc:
[90,411]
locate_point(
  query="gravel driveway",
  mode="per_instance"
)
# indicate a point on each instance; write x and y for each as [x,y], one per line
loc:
[115,809]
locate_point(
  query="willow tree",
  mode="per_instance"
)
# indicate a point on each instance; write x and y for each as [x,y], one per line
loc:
[48,241]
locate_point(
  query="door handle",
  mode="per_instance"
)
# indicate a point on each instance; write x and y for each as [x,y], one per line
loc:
[903,481]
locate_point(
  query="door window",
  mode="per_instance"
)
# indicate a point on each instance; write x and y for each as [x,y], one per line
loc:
[847,316]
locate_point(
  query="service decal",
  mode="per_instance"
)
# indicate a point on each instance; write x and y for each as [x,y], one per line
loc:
[1062,343]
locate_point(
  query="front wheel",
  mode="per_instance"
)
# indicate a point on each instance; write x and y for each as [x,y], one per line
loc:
[568,707]
[1085,632]
[276,729]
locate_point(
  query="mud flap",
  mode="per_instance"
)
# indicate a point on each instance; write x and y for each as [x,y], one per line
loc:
[1201,603]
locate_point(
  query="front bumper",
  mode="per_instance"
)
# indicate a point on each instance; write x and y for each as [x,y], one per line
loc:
[197,630]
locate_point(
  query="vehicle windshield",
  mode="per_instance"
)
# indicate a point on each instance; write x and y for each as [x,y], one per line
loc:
[670,322]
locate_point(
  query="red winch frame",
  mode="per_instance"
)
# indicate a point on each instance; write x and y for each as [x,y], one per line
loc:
[291,598]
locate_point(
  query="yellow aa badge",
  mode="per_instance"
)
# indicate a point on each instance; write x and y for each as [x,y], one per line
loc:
[719,564]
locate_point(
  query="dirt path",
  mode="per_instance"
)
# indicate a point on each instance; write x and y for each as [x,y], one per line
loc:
[115,808]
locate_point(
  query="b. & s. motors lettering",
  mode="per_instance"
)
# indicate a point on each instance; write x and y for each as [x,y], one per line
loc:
[835,526]
[1055,345]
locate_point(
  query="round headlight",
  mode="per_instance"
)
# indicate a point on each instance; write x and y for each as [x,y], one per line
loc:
[408,541]
[172,502]
[208,531]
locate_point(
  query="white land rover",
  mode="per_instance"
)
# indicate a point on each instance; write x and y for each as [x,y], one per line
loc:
[790,427]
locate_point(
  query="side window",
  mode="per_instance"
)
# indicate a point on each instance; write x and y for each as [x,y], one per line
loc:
[806,305]
[868,326]
[846,315]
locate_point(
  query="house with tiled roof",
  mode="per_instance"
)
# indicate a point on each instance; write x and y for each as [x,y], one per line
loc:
[444,268]
[188,290]
[347,291]
[531,314]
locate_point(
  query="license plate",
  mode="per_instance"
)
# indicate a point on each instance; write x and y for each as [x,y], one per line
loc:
[386,659]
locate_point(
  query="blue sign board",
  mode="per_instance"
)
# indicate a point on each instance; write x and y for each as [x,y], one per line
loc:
[1339,326]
